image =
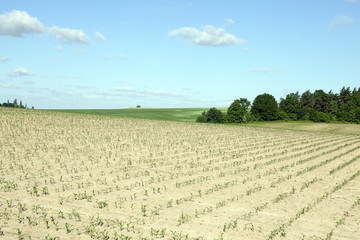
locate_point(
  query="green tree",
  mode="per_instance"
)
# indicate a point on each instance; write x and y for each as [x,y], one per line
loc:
[347,105]
[238,111]
[321,101]
[265,108]
[202,117]
[291,105]
[307,100]
[213,115]
[357,115]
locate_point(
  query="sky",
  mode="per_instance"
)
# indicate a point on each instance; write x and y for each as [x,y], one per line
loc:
[186,53]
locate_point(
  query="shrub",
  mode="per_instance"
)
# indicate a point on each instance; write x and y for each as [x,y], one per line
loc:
[213,115]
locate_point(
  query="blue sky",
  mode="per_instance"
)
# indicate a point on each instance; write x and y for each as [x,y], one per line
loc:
[118,54]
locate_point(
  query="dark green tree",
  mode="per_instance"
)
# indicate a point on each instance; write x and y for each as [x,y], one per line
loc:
[265,108]
[344,95]
[291,105]
[321,101]
[347,105]
[238,111]
[213,115]
[307,100]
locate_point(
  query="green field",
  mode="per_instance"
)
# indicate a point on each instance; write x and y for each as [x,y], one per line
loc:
[190,115]
[169,114]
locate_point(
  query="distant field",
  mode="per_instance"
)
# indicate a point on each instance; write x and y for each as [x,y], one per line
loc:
[169,114]
[190,115]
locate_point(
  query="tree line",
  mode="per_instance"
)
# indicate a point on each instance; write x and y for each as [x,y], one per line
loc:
[15,104]
[317,106]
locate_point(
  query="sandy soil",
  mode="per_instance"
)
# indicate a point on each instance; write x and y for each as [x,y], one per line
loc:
[68,176]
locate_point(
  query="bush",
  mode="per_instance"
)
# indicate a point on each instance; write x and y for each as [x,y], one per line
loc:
[202,118]
[213,115]
[284,116]
[320,117]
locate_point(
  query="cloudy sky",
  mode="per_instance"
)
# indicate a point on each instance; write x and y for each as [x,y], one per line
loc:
[199,53]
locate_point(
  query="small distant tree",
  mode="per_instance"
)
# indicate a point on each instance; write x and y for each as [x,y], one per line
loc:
[213,115]
[265,108]
[202,117]
[138,106]
[238,111]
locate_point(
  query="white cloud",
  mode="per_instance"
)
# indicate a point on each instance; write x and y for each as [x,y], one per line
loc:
[267,70]
[228,22]
[19,23]
[247,48]
[18,72]
[100,37]
[341,20]
[207,36]
[59,48]
[68,35]
[351,1]
[4,59]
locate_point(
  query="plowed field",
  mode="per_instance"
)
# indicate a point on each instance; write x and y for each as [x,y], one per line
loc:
[68,176]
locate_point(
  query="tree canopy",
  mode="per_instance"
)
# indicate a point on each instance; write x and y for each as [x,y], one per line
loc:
[14,104]
[238,111]
[213,115]
[317,106]
[291,105]
[265,108]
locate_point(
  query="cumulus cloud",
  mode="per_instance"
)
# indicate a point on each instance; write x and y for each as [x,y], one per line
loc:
[4,59]
[18,72]
[59,48]
[19,23]
[67,35]
[267,70]
[100,37]
[207,36]
[341,20]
